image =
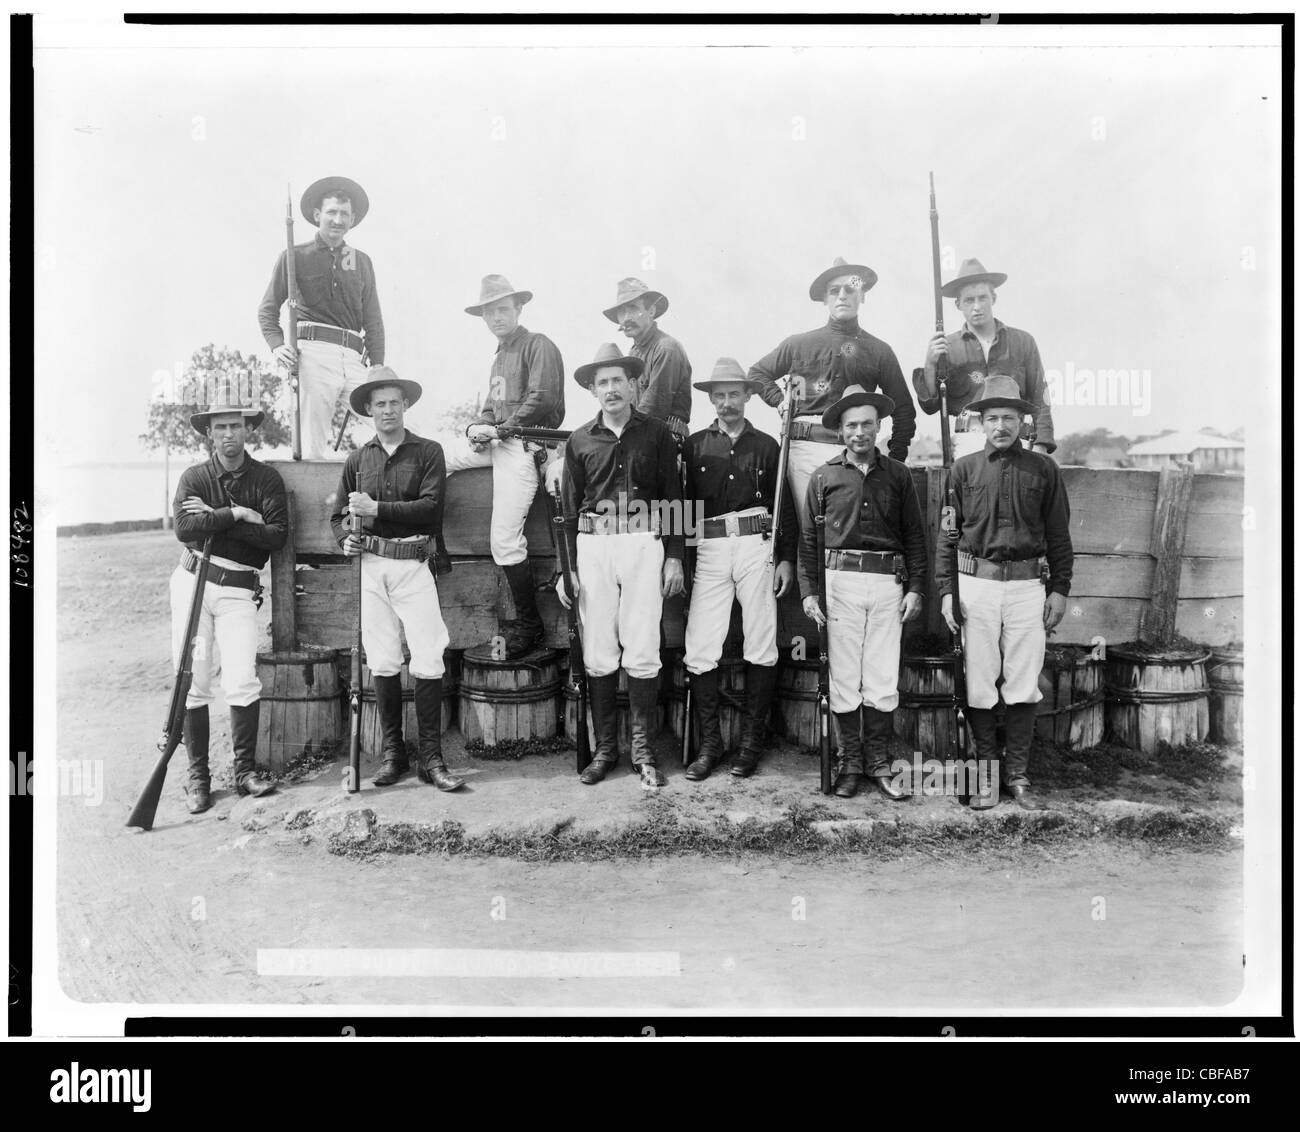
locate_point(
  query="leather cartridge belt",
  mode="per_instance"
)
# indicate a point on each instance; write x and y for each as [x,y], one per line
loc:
[315,332]
[593,524]
[219,575]
[865,561]
[733,526]
[678,427]
[1020,570]
[392,548]
[811,430]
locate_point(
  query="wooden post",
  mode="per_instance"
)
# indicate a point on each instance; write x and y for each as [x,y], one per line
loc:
[284,618]
[1168,536]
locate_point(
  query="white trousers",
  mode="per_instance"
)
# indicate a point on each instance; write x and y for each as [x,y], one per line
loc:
[399,593]
[865,633]
[325,371]
[620,602]
[805,457]
[727,569]
[514,486]
[226,642]
[1004,636]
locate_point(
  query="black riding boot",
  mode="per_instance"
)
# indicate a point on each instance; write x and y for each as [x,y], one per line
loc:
[243,737]
[428,717]
[602,691]
[1020,736]
[851,764]
[760,684]
[528,630]
[704,700]
[643,702]
[878,727]
[983,724]
[195,732]
[388,703]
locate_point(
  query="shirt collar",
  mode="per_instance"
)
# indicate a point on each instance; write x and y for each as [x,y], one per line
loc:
[649,337]
[374,442]
[219,469]
[847,461]
[322,246]
[510,339]
[599,423]
[995,454]
[844,325]
[998,326]
[715,426]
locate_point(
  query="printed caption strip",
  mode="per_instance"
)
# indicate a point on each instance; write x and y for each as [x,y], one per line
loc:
[418,962]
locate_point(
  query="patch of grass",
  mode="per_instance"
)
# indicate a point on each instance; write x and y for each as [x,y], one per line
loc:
[1192,763]
[512,750]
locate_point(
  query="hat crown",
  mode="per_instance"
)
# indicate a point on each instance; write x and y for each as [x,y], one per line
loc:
[494,287]
[381,373]
[1000,385]
[607,354]
[629,289]
[230,393]
[727,369]
[971,267]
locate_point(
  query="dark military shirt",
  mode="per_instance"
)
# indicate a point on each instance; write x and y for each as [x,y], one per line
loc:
[336,286]
[875,510]
[253,485]
[526,387]
[665,385]
[727,475]
[408,486]
[1011,505]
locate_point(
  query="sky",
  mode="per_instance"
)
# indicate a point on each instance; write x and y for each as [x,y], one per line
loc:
[1130,192]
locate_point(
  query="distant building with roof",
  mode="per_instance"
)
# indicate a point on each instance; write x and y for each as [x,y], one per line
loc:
[1205,451]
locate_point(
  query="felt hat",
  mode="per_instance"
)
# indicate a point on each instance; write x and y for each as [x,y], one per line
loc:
[226,398]
[727,371]
[1000,392]
[608,355]
[972,271]
[317,191]
[851,398]
[629,290]
[381,376]
[496,287]
[817,292]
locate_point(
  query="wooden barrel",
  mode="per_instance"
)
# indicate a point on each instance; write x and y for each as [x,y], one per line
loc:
[796,699]
[301,711]
[731,699]
[570,700]
[1226,674]
[508,699]
[1072,711]
[924,719]
[1162,697]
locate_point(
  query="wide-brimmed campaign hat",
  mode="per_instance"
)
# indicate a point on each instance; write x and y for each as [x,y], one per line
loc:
[317,191]
[1000,392]
[496,287]
[972,271]
[852,397]
[727,371]
[226,398]
[629,290]
[608,355]
[817,292]
[381,376]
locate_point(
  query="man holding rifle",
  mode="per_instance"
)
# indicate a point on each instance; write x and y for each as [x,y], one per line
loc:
[340,326]
[664,388]
[875,576]
[827,360]
[983,347]
[731,469]
[526,390]
[240,504]
[395,483]
[1011,512]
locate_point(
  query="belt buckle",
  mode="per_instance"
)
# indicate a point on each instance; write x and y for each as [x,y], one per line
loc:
[733,525]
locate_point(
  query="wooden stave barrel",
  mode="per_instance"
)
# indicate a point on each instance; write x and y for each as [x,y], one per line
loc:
[796,699]
[1072,711]
[1150,699]
[300,712]
[924,717]
[731,699]
[503,700]
[1227,683]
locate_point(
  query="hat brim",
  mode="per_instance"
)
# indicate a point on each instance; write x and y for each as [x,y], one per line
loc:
[411,390]
[831,417]
[318,190]
[1000,403]
[953,289]
[817,292]
[524,297]
[661,305]
[199,421]
[586,375]
[750,385]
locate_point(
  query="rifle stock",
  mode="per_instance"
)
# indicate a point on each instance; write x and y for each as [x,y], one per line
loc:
[146,809]
[354,694]
[538,435]
[291,272]
[577,665]
[823,651]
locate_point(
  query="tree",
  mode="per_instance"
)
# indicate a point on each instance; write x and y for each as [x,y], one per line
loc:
[211,369]
[1073,449]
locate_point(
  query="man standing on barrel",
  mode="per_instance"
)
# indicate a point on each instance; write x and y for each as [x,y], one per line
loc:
[526,390]
[621,490]
[982,348]
[826,361]
[731,470]
[664,388]
[340,326]
[240,503]
[1011,513]
[875,576]
[395,483]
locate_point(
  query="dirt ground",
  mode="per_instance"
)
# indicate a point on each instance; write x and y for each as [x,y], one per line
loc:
[771,896]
